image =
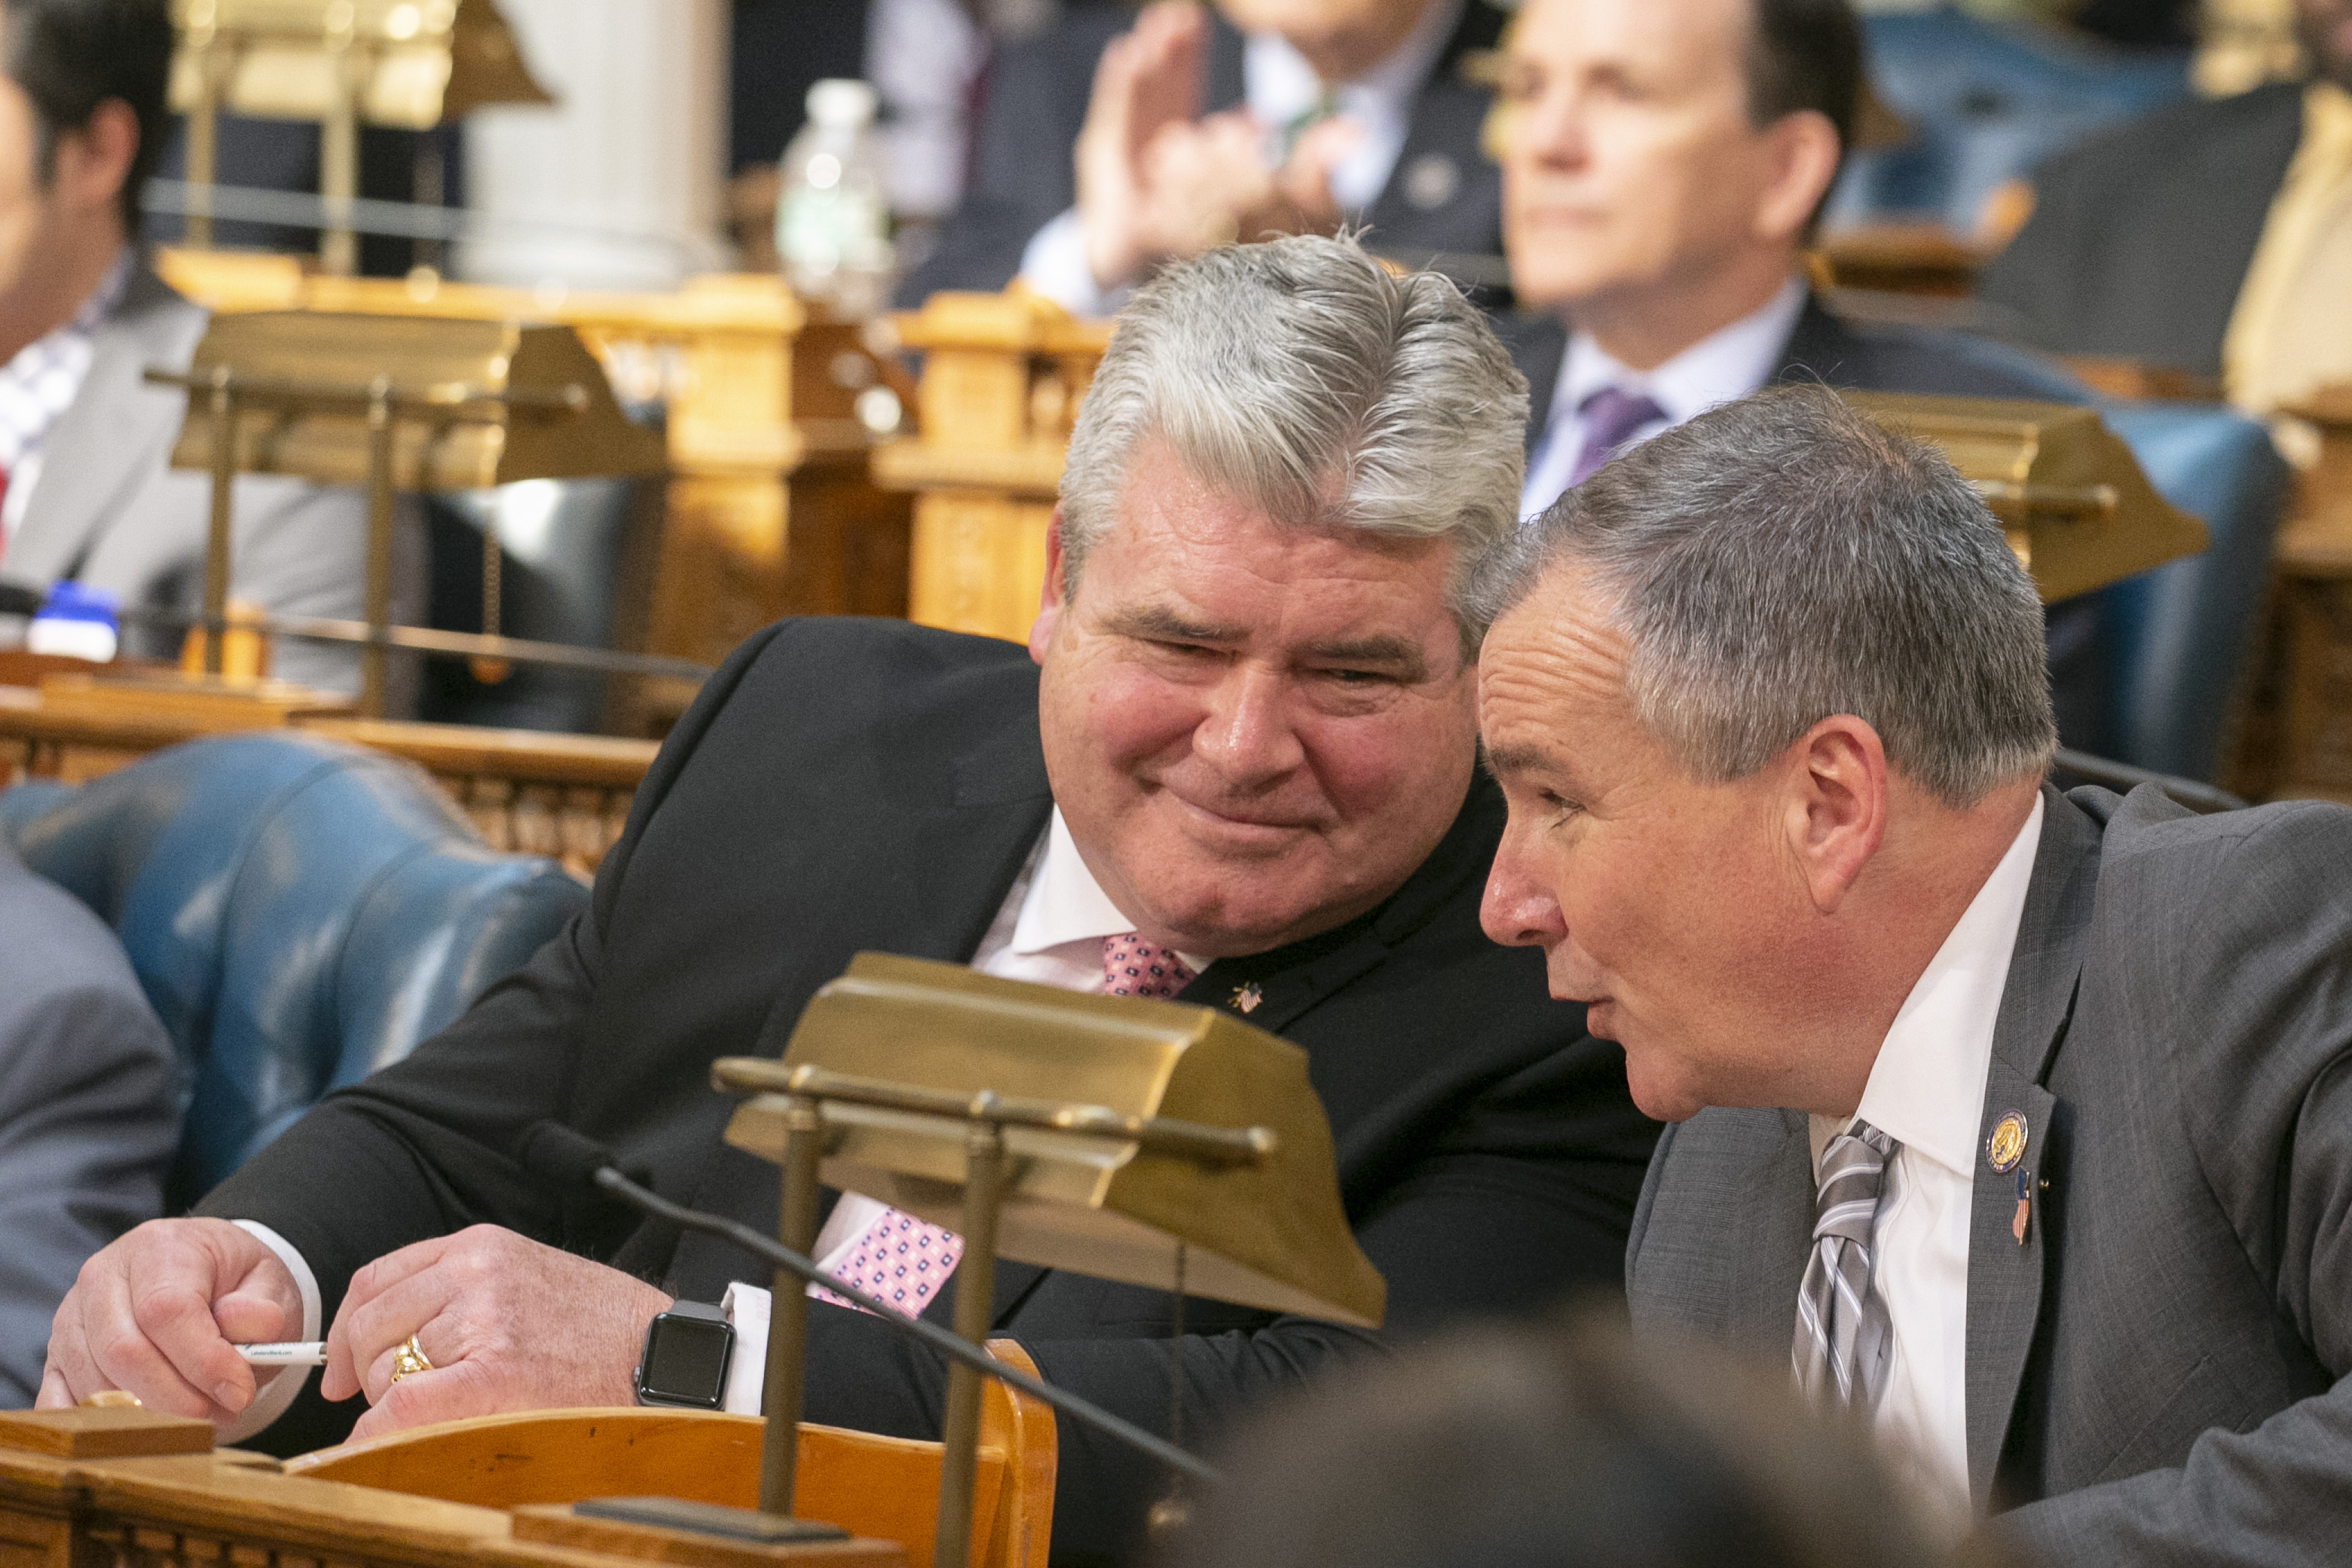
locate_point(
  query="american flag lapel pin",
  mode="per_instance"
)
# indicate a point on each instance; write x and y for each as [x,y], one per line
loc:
[1247,997]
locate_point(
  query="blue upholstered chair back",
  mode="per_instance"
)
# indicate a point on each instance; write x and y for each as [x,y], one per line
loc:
[2178,636]
[300,912]
[1986,103]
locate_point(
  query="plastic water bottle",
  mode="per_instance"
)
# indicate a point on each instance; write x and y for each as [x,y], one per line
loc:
[833,221]
[77,622]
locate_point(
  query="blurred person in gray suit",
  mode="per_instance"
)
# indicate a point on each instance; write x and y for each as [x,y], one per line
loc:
[89,1108]
[85,489]
[2018,1121]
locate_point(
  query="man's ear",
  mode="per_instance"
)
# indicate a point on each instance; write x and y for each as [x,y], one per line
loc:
[1049,594]
[1835,806]
[94,161]
[1804,151]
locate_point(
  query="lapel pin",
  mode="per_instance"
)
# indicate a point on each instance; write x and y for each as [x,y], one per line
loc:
[2025,1209]
[2006,1145]
[1247,998]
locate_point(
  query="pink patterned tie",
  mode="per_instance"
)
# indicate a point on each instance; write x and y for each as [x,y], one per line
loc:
[905,1261]
[901,1259]
[1134,968]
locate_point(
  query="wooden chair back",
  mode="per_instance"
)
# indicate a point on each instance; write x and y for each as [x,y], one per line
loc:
[883,1487]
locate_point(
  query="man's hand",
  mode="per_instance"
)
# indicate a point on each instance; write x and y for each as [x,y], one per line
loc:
[1209,184]
[507,1322]
[1148,82]
[1156,181]
[159,1313]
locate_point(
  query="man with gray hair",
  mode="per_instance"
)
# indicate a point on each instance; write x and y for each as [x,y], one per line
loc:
[2016,1119]
[1236,767]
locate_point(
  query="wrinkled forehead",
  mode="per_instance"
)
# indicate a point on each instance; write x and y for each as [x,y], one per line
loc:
[1558,650]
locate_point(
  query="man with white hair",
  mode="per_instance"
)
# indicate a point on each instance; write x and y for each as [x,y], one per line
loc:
[1240,772]
[2017,1120]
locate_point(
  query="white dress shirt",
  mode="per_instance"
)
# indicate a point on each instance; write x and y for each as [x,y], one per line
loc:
[1049,930]
[1278,87]
[41,382]
[1926,1092]
[1716,370]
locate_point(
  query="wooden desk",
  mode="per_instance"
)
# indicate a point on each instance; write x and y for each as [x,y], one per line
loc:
[1902,258]
[2303,744]
[220,1509]
[1002,377]
[563,796]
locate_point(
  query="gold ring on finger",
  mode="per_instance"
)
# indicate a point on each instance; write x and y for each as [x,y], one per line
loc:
[409,1358]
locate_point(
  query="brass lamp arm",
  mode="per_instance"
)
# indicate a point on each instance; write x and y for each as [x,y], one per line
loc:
[453,401]
[1159,1135]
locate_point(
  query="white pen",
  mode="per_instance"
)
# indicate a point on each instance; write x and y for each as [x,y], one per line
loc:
[286,1352]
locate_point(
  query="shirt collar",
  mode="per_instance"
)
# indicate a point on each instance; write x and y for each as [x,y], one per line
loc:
[1065,903]
[1279,85]
[1926,1088]
[1725,365]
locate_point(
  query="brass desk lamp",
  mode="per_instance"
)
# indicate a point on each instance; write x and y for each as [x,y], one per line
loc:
[397,402]
[2078,511]
[406,64]
[1145,1142]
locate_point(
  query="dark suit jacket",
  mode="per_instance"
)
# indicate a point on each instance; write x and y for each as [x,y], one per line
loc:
[2141,236]
[1034,101]
[845,784]
[2153,1376]
[1875,357]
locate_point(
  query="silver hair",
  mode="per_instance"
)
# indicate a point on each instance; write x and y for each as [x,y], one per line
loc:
[1303,377]
[1783,559]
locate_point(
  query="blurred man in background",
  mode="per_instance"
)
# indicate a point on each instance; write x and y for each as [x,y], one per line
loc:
[85,442]
[1113,142]
[1664,161]
[2214,235]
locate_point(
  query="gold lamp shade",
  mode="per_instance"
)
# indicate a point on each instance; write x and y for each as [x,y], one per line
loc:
[414,64]
[2078,510]
[477,402]
[1267,1232]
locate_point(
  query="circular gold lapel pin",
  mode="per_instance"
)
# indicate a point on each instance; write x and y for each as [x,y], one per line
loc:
[2006,1145]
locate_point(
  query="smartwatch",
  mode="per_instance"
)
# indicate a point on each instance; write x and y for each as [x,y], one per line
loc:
[685,1361]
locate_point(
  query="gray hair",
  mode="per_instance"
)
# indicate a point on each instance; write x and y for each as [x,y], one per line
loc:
[1302,377]
[1783,559]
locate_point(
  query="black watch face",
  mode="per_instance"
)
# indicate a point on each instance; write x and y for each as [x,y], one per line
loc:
[686,1362]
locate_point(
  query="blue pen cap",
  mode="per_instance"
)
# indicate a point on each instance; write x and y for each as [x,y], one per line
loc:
[71,600]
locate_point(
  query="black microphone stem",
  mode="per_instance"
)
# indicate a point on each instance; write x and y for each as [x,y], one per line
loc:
[1083,1411]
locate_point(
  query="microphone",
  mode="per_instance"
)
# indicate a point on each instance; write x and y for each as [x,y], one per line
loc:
[561,1157]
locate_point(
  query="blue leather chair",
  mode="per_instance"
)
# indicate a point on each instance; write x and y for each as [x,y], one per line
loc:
[1986,101]
[300,912]
[2177,637]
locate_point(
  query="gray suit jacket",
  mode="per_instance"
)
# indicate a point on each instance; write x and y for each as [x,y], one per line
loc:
[110,511]
[89,1108]
[2153,1376]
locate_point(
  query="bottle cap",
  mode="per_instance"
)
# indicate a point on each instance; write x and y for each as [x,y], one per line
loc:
[70,600]
[841,104]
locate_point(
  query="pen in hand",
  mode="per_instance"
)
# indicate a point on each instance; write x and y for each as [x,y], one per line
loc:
[286,1352]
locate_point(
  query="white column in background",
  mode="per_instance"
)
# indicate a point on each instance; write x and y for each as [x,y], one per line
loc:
[636,147]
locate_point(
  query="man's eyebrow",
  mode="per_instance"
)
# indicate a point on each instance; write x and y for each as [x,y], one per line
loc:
[1384,650]
[1159,622]
[1502,759]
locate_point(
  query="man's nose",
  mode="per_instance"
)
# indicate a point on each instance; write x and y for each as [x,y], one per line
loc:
[1548,131]
[1248,736]
[1517,909]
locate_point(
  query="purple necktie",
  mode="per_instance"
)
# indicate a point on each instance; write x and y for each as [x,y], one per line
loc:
[1610,417]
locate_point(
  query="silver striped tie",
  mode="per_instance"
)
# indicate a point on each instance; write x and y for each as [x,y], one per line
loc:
[1844,1337]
